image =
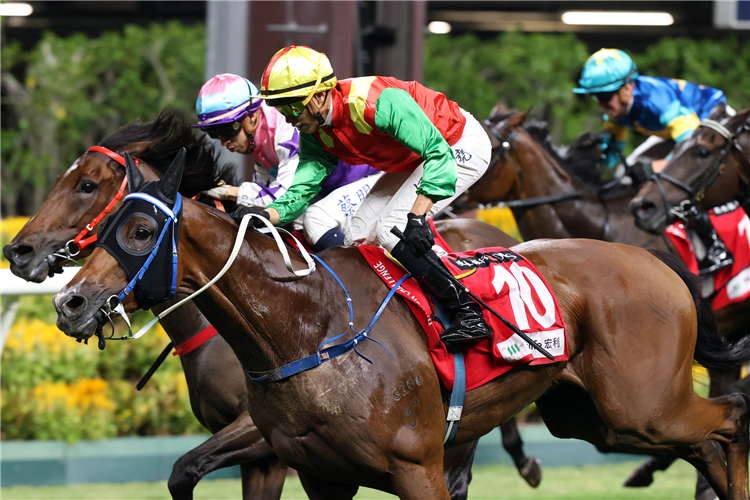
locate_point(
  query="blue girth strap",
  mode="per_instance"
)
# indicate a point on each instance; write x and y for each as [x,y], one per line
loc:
[324,354]
[457,398]
[459,385]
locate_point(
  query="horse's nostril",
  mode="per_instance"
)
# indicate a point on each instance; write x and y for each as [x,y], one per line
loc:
[19,253]
[644,209]
[75,302]
[20,250]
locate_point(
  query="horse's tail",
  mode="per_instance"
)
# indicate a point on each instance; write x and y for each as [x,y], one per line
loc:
[711,350]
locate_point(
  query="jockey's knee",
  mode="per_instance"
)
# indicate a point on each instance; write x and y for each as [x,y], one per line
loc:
[386,239]
[317,223]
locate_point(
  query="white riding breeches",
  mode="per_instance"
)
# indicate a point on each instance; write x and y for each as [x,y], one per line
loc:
[393,196]
[336,209]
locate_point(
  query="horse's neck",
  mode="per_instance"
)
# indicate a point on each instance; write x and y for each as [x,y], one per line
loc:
[268,316]
[542,176]
[584,217]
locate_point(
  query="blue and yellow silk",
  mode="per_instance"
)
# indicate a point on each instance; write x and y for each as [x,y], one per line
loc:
[668,108]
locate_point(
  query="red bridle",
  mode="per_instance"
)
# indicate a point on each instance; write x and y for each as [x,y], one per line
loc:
[79,240]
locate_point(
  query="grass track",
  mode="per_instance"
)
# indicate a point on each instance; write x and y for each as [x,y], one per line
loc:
[600,482]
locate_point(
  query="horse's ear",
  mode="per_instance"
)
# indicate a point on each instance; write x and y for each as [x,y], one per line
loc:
[517,119]
[137,148]
[719,112]
[170,183]
[135,178]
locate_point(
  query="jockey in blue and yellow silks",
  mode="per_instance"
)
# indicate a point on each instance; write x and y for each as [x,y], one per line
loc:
[665,109]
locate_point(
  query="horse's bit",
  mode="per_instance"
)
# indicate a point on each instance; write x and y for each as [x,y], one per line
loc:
[696,194]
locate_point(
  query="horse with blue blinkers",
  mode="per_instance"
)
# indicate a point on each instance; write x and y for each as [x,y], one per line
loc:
[631,347]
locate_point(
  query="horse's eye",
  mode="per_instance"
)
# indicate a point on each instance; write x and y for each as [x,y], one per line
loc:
[87,187]
[703,153]
[142,233]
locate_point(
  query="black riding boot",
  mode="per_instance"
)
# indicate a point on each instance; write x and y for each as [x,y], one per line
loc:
[718,255]
[466,315]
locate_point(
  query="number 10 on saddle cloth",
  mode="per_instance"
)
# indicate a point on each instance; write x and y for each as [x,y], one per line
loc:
[508,283]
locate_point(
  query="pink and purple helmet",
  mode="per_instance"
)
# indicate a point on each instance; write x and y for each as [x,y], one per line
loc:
[225,98]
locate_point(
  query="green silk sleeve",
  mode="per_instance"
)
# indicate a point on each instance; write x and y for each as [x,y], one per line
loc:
[315,164]
[398,115]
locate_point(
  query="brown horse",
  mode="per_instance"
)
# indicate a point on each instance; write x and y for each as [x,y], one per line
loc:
[635,322]
[527,167]
[215,380]
[710,168]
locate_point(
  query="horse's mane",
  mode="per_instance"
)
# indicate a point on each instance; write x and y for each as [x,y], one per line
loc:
[165,136]
[579,159]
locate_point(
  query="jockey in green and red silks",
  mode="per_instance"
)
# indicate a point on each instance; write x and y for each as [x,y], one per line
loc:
[429,148]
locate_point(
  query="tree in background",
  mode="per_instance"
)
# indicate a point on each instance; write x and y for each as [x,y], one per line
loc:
[77,90]
[538,71]
[527,70]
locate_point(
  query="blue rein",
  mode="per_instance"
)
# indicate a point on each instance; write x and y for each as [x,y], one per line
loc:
[327,353]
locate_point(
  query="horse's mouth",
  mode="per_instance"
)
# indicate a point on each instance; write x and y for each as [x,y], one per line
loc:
[39,267]
[35,272]
[80,328]
[655,224]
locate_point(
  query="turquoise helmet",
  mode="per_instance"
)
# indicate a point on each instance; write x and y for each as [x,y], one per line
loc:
[606,71]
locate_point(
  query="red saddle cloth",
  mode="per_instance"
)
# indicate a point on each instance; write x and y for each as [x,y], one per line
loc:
[732,283]
[512,286]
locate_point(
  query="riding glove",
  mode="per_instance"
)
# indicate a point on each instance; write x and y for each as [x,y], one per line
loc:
[417,235]
[242,211]
[219,192]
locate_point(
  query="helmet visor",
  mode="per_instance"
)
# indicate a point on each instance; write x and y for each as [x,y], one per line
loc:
[603,97]
[227,130]
[292,109]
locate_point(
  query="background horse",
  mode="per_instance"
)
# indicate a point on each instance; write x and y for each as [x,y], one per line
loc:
[527,166]
[215,380]
[710,168]
[631,347]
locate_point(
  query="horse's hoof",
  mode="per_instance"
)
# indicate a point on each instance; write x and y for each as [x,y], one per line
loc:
[639,478]
[707,494]
[532,471]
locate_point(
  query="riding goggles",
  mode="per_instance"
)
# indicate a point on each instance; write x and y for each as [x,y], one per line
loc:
[227,130]
[603,97]
[293,109]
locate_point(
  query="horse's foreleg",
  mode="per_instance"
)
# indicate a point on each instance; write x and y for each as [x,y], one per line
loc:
[236,443]
[457,469]
[264,479]
[707,458]
[736,449]
[644,475]
[318,489]
[418,481]
[528,466]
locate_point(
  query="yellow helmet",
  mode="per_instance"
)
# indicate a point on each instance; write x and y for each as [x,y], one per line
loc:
[297,71]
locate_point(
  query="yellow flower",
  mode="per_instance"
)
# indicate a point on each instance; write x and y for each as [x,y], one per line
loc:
[11,226]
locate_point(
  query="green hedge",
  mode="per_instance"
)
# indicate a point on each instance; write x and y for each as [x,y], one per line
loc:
[75,91]
[538,71]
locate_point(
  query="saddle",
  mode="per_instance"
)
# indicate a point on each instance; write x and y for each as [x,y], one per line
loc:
[508,283]
[728,285]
